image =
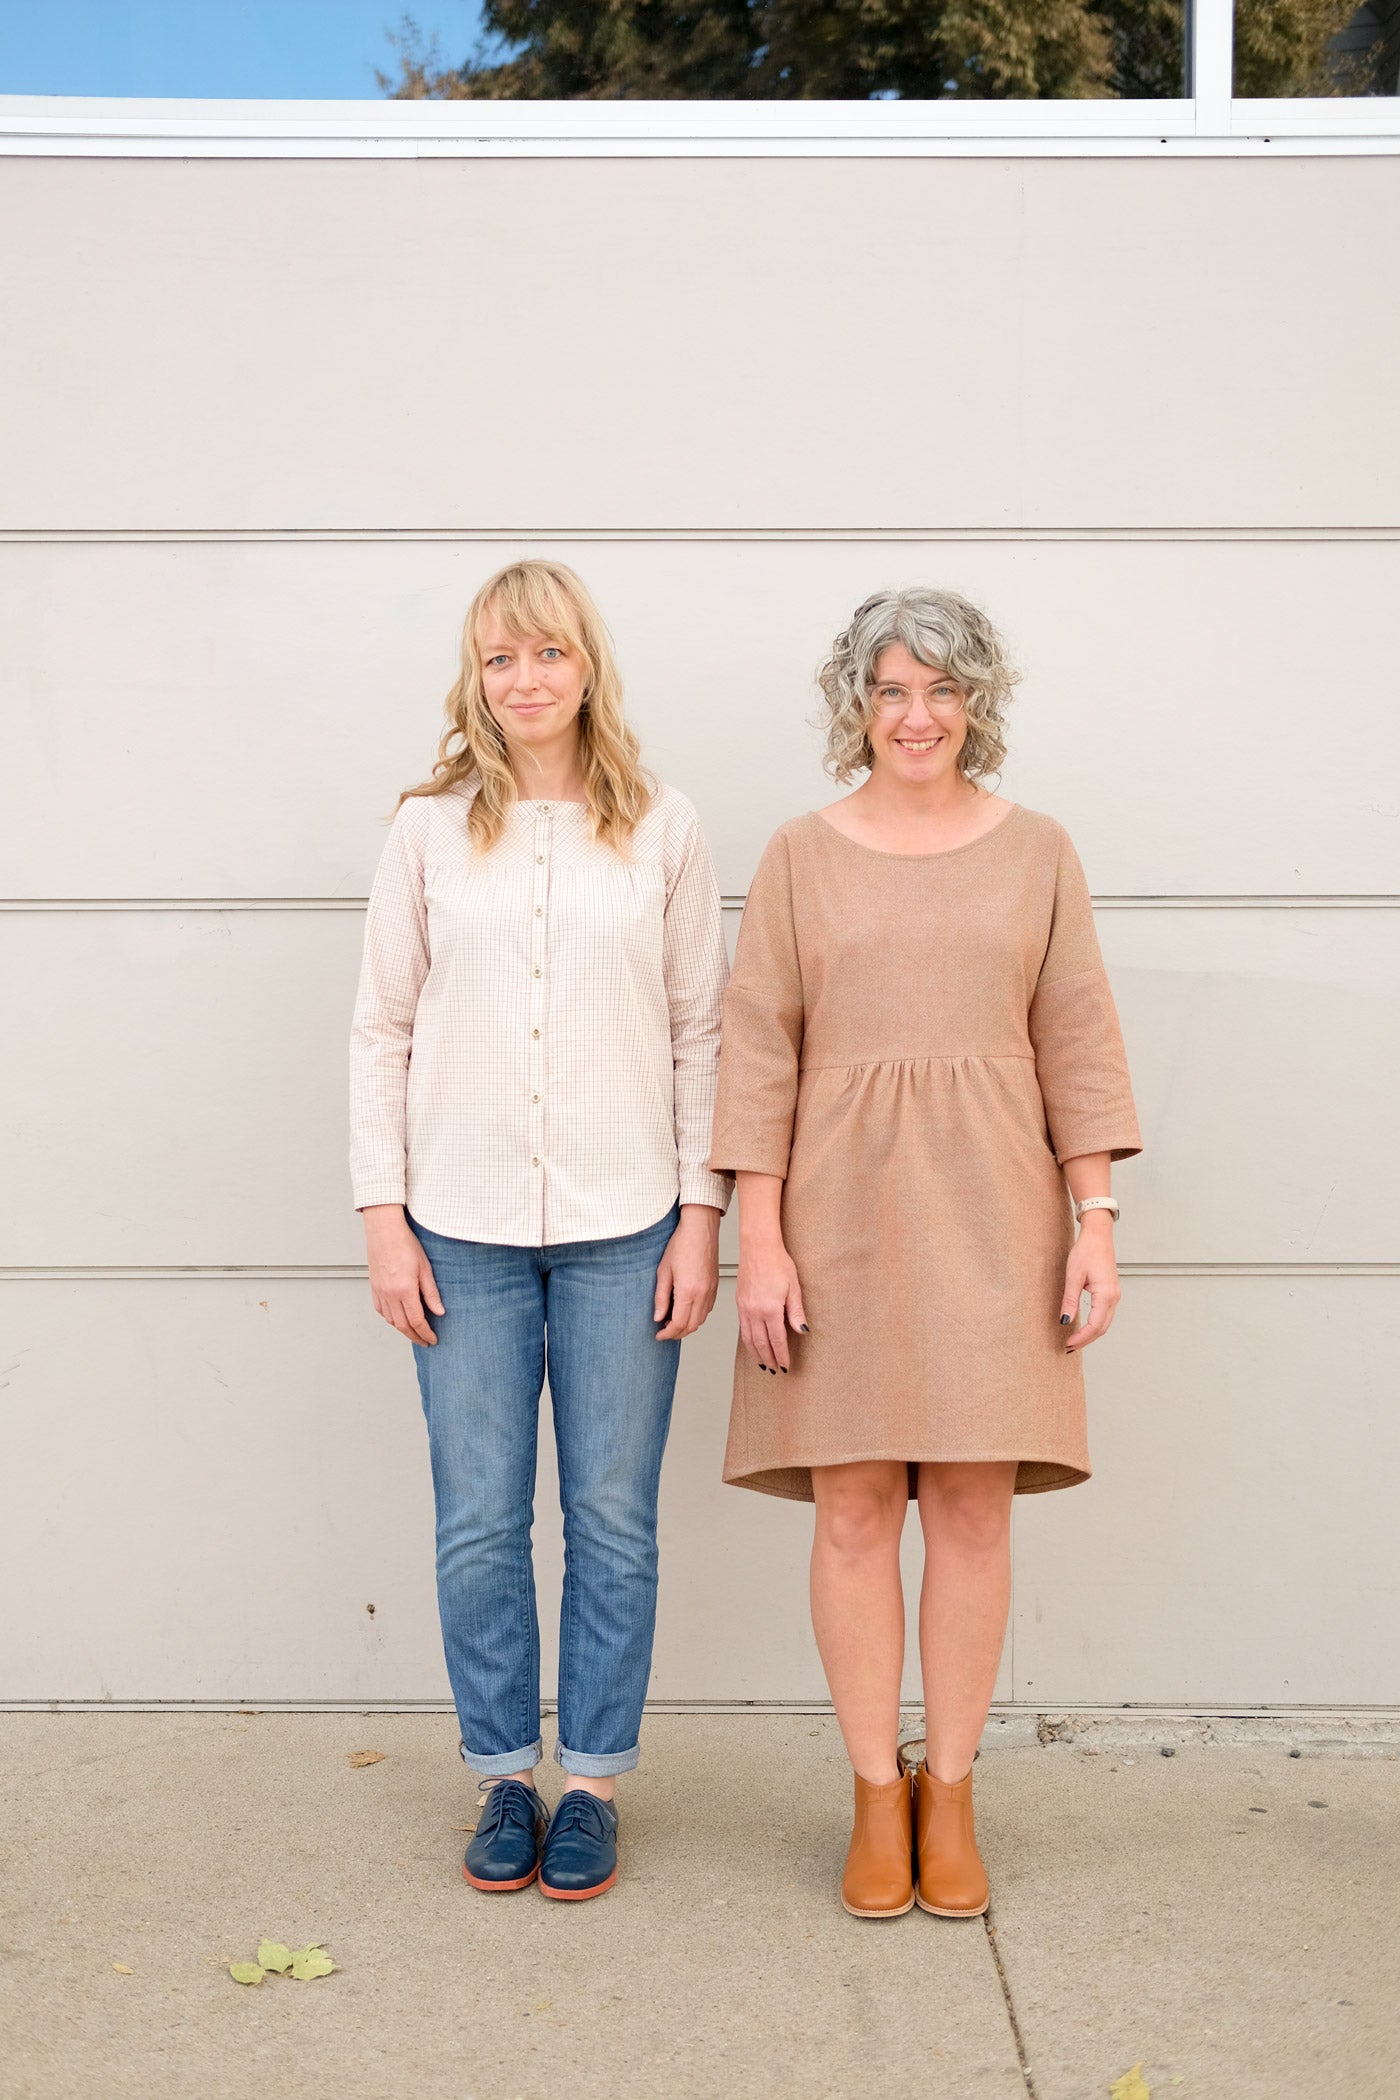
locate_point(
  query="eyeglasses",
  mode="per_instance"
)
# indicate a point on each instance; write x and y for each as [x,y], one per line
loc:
[944,698]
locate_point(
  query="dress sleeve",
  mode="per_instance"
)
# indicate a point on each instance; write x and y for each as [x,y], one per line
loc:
[392,973]
[1079,1057]
[695,967]
[761,1039]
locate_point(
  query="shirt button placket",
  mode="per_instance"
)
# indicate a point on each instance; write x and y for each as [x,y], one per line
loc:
[539,936]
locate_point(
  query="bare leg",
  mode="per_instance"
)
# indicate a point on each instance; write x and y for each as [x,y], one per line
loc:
[966,1515]
[858,1604]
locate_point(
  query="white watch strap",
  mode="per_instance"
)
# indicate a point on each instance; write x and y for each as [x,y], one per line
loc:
[1096,1203]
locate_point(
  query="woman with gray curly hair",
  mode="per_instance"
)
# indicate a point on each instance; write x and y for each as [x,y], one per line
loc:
[921,1078]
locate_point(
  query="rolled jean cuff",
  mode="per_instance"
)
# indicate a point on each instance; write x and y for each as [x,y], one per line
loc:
[586,1767]
[501,1767]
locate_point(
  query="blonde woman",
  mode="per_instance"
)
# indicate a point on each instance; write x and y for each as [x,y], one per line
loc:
[921,1067]
[533,1071]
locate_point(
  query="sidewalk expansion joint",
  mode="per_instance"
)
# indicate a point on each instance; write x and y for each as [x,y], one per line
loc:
[1015,2025]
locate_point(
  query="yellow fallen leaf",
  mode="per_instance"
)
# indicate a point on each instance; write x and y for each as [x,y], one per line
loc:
[122,1969]
[310,1962]
[245,1972]
[273,1955]
[1131,2086]
[365,1757]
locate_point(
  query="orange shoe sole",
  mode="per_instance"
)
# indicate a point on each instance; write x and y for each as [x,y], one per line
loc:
[936,1909]
[577,1895]
[902,1912]
[500,1888]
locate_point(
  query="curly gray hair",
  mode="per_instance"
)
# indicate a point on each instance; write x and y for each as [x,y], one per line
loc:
[943,631]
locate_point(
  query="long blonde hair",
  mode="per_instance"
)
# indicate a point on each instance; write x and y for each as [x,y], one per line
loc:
[528,598]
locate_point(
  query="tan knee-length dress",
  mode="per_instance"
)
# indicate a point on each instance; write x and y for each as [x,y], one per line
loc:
[916,1043]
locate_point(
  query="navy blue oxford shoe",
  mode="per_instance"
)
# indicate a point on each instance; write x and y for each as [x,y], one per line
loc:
[505,1853]
[580,1853]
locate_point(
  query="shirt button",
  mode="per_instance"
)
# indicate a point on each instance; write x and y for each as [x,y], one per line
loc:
[540,858]
[539,911]
[538,972]
[534,1163]
[534,1031]
[534,1097]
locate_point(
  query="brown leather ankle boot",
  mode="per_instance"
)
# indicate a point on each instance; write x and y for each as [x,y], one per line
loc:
[952,1879]
[879,1877]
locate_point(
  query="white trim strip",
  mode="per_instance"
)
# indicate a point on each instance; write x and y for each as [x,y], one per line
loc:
[1209,126]
[673,124]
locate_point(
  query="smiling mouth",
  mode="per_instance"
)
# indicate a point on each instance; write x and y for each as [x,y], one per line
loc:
[917,744]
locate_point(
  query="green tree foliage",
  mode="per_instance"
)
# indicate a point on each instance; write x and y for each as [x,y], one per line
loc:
[850,50]
[1281,48]
[972,50]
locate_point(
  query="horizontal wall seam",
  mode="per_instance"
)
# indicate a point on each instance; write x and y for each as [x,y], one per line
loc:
[1011,1709]
[1146,900]
[720,535]
[343,1272]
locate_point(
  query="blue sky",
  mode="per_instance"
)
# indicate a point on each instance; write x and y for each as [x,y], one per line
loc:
[298,48]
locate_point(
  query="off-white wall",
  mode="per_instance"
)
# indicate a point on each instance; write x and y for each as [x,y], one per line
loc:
[268,424]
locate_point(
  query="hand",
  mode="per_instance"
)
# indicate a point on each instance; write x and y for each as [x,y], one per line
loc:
[1091,1267]
[687,1276]
[769,1298]
[401,1279]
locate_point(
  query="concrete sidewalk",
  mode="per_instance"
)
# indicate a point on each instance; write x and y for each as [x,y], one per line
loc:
[1226,1915]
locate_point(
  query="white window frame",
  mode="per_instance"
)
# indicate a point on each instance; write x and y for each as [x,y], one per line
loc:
[1211,122]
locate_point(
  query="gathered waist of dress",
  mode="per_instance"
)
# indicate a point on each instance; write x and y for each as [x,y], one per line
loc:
[919,1057]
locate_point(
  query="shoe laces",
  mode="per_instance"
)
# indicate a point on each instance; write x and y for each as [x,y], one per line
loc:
[580,1811]
[510,1801]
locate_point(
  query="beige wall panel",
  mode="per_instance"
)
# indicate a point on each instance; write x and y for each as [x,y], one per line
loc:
[175,1085]
[231,720]
[174,1088]
[1263,1047]
[206,1483]
[1237,1544]
[708,343]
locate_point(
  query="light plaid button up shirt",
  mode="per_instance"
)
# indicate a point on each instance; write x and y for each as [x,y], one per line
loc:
[536,1034]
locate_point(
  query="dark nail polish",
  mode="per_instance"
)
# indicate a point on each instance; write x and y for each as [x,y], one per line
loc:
[805,1328]
[1064,1319]
[784,1369]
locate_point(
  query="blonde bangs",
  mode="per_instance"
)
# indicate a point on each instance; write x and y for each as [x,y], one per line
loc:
[544,598]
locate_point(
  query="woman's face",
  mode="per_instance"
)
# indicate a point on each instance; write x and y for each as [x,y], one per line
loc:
[533,683]
[917,724]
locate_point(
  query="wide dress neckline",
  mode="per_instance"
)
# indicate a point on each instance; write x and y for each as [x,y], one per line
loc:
[943,853]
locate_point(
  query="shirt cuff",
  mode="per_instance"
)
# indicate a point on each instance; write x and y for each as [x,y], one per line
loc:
[699,1185]
[368,1192]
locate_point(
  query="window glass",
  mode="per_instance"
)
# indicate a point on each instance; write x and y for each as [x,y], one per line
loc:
[793,50]
[1317,47]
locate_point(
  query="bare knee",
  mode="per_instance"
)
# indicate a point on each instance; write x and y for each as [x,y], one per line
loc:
[860,1517]
[968,1512]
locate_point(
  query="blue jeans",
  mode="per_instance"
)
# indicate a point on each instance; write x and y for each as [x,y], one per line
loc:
[611,1383]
